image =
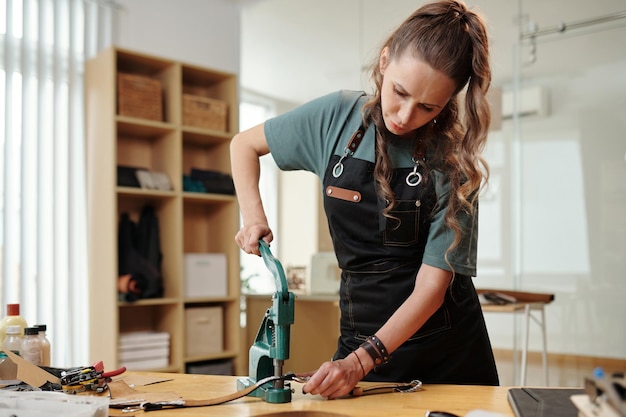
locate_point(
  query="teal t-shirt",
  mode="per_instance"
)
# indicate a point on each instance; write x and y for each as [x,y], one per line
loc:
[306,138]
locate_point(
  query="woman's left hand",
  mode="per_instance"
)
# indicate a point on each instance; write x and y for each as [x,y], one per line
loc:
[335,379]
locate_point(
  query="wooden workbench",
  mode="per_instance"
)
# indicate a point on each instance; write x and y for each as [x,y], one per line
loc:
[456,399]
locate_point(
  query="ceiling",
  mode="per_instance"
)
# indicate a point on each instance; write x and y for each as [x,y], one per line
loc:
[296,50]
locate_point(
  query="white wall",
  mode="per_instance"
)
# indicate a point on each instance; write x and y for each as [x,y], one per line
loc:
[200,32]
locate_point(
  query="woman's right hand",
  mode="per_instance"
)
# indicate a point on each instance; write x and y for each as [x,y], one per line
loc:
[248,237]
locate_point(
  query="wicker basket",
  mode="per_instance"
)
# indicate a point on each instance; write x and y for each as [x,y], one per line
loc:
[139,96]
[208,113]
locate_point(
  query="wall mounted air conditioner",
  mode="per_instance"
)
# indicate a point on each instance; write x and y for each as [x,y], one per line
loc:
[533,101]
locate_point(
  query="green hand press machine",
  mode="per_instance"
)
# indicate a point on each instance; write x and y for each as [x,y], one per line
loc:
[271,346]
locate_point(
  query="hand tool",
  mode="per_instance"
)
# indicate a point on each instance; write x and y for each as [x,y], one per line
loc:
[271,346]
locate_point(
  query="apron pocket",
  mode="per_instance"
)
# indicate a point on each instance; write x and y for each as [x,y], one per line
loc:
[402,228]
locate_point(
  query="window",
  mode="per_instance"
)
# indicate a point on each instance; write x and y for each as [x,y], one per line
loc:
[43,256]
[253,111]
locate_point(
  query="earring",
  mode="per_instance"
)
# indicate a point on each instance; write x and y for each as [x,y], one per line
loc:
[434,121]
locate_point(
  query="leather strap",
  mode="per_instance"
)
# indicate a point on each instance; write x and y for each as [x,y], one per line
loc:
[182,403]
[343,194]
[356,139]
[375,348]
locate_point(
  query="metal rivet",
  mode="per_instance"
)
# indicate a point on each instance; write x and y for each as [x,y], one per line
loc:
[418,203]
[355,198]
[329,191]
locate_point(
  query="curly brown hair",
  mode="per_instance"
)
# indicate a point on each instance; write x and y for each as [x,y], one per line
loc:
[453,40]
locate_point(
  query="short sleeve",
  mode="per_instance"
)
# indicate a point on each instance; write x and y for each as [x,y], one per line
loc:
[304,138]
[463,257]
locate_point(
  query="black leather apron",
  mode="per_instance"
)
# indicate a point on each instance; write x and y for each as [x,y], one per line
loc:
[379,263]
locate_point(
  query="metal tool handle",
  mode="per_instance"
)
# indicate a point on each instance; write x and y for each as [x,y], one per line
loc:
[276,268]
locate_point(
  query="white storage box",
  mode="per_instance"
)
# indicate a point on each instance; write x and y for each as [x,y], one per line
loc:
[45,403]
[205,275]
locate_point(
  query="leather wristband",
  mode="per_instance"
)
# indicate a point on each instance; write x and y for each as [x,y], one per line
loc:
[376,349]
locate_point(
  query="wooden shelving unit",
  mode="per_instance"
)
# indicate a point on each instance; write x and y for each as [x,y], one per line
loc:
[189,222]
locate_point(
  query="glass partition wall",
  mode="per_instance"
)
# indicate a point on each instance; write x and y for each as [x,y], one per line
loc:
[554,216]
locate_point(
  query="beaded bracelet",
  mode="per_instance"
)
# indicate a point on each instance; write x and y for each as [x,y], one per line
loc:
[375,348]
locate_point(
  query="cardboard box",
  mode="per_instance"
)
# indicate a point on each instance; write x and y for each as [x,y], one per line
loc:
[204,331]
[205,275]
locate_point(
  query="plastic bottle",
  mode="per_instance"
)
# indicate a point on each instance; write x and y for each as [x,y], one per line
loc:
[13,339]
[45,344]
[12,318]
[31,346]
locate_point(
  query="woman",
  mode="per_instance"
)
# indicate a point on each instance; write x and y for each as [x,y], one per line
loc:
[401,174]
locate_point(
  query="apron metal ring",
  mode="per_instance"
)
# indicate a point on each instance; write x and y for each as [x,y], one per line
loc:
[338,169]
[413,179]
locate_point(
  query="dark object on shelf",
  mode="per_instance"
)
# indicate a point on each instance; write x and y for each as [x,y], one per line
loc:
[195,186]
[214,181]
[140,255]
[127,176]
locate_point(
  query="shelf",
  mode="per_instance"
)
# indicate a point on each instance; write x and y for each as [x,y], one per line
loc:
[133,126]
[189,301]
[140,193]
[208,198]
[212,357]
[188,222]
[203,137]
[149,302]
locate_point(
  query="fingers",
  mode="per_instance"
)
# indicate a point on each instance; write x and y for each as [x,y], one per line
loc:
[248,238]
[332,380]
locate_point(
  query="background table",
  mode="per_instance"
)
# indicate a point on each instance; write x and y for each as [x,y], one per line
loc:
[526,302]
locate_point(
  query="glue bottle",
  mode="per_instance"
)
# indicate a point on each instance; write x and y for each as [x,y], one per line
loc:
[31,346]
[12,318]
[45,344]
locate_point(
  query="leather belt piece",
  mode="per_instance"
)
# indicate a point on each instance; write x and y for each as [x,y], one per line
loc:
[343,194]
[132,406]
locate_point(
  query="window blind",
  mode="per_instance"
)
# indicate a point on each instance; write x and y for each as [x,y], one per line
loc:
[43,227]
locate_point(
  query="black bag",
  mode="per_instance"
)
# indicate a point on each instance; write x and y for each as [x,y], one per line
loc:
[139,255]
[214,181]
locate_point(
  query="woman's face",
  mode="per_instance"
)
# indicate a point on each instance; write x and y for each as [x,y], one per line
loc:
[412,94]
